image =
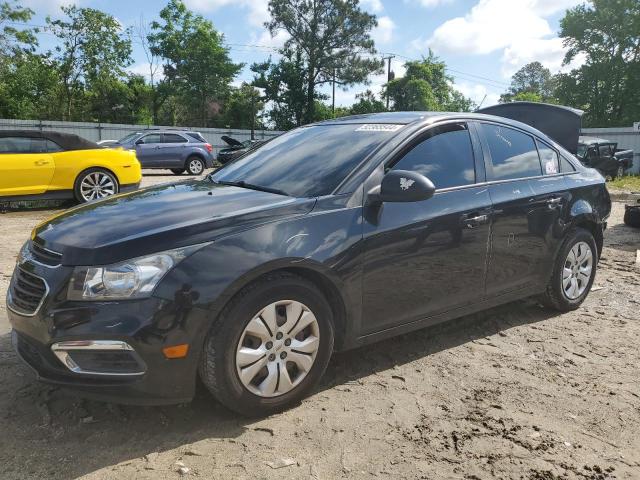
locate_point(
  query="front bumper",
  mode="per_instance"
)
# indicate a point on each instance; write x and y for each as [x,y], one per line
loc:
[146,325]
[129,187]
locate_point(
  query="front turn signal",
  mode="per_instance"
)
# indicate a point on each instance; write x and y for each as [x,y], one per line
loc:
[176,351]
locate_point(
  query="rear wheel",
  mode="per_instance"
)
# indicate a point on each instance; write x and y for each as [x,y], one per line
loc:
[269,347]
[195,165]
[94,184]
[573,273]
[178,171]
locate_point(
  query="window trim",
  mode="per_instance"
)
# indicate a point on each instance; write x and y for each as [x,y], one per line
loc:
[421,135]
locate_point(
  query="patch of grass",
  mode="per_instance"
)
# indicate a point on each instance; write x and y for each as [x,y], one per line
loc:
[626,183]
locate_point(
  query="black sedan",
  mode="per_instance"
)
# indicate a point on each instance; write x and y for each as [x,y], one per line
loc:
[329,237]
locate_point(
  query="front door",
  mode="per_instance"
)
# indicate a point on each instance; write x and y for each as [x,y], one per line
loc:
[148,150]
[25,166]
[427,257]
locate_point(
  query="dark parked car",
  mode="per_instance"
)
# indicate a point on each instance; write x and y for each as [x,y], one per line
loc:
[177,150]
[329,237]
[235,148]
[604,156]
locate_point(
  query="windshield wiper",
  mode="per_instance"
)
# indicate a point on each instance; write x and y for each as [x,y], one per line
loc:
[243,184]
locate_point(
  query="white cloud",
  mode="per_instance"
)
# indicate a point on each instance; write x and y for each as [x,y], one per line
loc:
[258,9]
[478,93]
[517,27]
[266,40]
[428,3]
[47,6]
[373,5]
[383,33]
[143,69]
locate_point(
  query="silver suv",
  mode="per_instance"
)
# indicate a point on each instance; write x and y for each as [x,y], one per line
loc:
[177,150]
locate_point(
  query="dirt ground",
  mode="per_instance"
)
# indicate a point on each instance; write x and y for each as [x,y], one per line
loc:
[515,392]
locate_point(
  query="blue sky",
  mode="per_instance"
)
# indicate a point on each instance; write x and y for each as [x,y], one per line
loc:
[482,41]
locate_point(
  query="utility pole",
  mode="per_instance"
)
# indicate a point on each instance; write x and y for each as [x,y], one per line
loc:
[253,114]
[333,105]
[390,75]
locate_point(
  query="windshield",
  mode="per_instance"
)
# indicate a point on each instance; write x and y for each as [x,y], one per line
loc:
[308,161]
[128,138]
[582,150]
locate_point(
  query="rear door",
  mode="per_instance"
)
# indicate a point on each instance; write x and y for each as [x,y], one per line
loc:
[427,257]
[518,244]
[25,166]
[173,149]
[148,150]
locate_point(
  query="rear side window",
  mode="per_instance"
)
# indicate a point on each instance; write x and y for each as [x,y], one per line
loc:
[549,159]
[445,157]
[196,136]
[513,153]
[22,145]
[566,165]
[173,138]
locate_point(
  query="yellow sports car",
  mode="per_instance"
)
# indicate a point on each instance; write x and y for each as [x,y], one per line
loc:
[51,166]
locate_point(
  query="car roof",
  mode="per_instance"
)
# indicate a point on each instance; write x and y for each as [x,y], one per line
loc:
[397,118]
[67,141]
[592,140]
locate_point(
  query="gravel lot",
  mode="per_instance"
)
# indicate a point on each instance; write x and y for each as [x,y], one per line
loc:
[515,392]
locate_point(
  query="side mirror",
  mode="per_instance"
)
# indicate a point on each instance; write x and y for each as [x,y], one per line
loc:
[402,186]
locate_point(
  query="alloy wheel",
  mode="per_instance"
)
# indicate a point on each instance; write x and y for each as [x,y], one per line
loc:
[97,185]
[277,348]
[196,167]
[577,271]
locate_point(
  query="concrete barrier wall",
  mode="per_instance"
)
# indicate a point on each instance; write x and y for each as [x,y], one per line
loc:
[113,131]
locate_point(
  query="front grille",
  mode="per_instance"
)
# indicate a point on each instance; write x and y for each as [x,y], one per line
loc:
[44,256]
[107,362]
[26,292]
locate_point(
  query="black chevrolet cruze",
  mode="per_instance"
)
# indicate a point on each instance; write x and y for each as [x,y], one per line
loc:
[329,237]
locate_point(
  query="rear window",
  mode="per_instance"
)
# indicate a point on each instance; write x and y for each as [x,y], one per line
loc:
[309,161]
[173,138]
[197,136]
[513,153]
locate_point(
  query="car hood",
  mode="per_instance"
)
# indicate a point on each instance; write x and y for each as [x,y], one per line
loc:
[231,141]
[160,218]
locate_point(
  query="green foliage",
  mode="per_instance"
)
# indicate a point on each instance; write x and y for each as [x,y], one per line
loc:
[332,37]
[532,83]
[367,103]
[606,34]
[14,40]
[197,65]
[240,105]
[426,87]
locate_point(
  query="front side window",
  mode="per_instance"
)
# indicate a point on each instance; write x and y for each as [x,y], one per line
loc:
[549,159]
[53,147]
[513,153]
[605,150]
[22,145]
[309,161]
[152,138]
[445,157]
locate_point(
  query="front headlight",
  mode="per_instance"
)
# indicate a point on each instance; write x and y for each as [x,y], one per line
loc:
[135,278]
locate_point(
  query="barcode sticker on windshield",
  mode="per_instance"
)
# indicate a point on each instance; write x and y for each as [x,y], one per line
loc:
[378,127]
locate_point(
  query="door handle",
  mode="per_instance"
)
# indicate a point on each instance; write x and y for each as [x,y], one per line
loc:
[39,163]
[552,203]
[473,222]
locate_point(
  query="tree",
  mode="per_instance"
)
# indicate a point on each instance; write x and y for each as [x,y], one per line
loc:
[533,82]
[333,38]
[196,63]
[367,103]
[143,32]
[607,86]
[426,86]
[239,106]
[285,90]
[94,52]
[12,39]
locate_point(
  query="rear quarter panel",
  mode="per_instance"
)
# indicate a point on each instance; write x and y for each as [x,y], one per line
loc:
[122,163]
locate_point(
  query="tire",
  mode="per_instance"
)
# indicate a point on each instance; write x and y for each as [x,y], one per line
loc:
[178,171]
[104,179]
[221,361]
[563,299]
[195,165]
[632,216]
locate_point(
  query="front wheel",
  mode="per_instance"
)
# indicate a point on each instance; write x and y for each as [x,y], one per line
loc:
[94,184]
[573,273]
[195,166]
[269,346]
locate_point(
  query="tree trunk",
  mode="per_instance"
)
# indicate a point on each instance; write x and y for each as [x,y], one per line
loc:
[311,84]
